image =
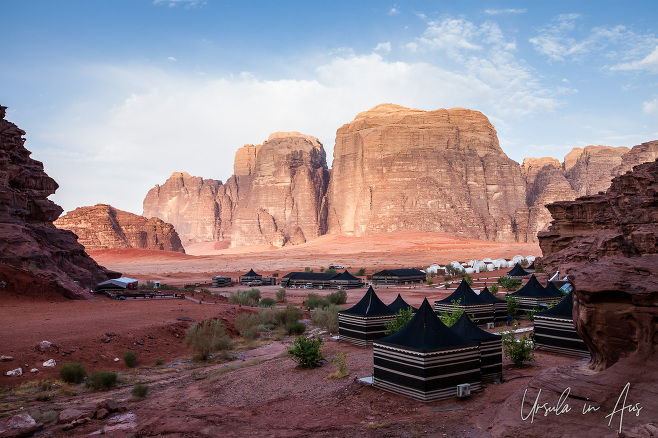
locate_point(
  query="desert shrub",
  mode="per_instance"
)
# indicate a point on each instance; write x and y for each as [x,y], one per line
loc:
[512,306]
[326,318]
[102,380]
[430,282]
[450,317]
[47,416]
[447,277]
[266,317]
[307,269]
[510,284]
[314,301]
[518,350]
[140,391]
[494,289]
[130,359]
[249,297]
[295,328]
[468,279]
[290,313]
[245,322]
[338,297]
[401,319]
[267,302]
[340,360]
[72,372]
[447,285]
[361,272]
[524,262]
[158,362]
[306,352]
[208,337]
[280,295]
[330,271]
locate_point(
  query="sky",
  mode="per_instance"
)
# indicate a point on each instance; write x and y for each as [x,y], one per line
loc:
[115,95]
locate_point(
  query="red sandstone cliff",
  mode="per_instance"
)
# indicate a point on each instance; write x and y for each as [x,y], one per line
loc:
[103,226]
[32,250]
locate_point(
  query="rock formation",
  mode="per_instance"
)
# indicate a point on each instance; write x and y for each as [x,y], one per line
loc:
[103,227]
[594,168]
[29,242]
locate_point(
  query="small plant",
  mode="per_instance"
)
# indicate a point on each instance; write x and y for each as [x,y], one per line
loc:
[330,271]
[511,284]
[447,277]
[306,352]
[314,301]
[280,295]
[450,317]
[447,285]
[158,362]
[307,269]
[72,372]
[340,360]
[468,279]
[401,319]
[249,297]
[338,297]
[326,318]
[208,337]
[430,282]
[140,390]
[361,272]
[130,359]
[102,380]
[290,314]
[267,302]
[518,350]
[512,306]
[494,289]
[295,328]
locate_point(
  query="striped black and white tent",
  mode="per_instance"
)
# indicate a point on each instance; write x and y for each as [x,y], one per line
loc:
[533,294]
[517,272]
[472,304]
[400,304]
[491,347]
[499,305]
[554,330]
[426,360]
[531,269]
[365,321]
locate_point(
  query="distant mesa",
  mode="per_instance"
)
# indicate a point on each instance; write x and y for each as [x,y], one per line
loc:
[105,227]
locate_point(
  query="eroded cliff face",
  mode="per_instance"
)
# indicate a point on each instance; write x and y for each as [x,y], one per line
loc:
[397,168]
[29,242]
[104,227]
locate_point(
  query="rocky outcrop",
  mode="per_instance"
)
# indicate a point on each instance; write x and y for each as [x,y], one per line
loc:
[105,227]
[397,168]
[29,241]
[594,169]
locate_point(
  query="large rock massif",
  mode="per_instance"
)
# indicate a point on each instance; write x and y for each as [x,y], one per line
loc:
[103,227]
[394,168]
[34,254]
[608,245]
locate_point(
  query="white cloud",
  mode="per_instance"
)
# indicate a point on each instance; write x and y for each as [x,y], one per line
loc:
[650,107]
[383,47]
[394,10]
[185,3]
[172,59]
[504,11]
[649,63]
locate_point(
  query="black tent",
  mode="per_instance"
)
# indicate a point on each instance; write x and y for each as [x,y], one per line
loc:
[491,347]
[531,269]
[517,272]
[532,294]
[499,305]
[398,276]
[554,330]
[365,321]
[250,276]
[481,311]
[426,360]
[550,288]
[400,304]
[346,281]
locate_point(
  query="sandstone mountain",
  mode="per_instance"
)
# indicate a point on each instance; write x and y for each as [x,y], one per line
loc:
[394,168]
[33,252]
[103,227]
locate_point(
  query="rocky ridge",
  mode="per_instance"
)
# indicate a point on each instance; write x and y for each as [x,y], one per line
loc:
[32,250]
[105,227]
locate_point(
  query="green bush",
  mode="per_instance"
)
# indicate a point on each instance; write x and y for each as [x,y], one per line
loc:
[307,269]
[72,372]
[401,319]
[450,317]
[518,350]
[494,289]
[361,272]
[511,284]
[102,380]
[158,362]
[326,318]
[140,391]
[130,359]
[330,271]
[430,282]
[249,297]
[338,297]
[468,279]
[512,306]
[447,285]
[314,301]
[280,295]
[289,314]
[295,328]
[207,338]
[266,317]
[244,322]
[447,277]
[306,352]
[267,302]
[340,360]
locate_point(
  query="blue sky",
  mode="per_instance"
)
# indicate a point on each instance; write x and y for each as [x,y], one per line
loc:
[116,95]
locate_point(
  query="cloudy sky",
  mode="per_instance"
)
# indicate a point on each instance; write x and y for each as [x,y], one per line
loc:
[116,95]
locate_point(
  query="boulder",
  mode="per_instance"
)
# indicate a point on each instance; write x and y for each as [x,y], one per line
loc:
[15,372]
[20,425]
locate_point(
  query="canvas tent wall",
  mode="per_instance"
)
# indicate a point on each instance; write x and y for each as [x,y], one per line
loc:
[532,294]
[491,347]
[400,304]
[123,283]
[398,276]
[517,272]
[555,331]
[250,276]
[499,305]
[318,280]
[426,360]
[365,321]
[345,281]
[472,304]
[221,281]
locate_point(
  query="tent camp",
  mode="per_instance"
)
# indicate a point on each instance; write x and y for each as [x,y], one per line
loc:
[554,330]
[517,272]
[473,305]
[499,305]
[491,347]
[365,321]
[399,276]
[531,269]
[250,276]
[117,284]
[426,360]
[400,304]
[533,294]
[345,281]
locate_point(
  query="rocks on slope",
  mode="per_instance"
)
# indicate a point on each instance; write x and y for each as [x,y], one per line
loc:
[103,226]
[29,242]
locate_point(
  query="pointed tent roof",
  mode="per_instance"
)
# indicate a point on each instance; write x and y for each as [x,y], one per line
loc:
[517,271]
[251,273]
[467,329]
[346,276]
[400,304]
[551,289]
[532,266]
[426,333]
[563,309]
[488,297]
[532,289]
[465,294]
[370,305]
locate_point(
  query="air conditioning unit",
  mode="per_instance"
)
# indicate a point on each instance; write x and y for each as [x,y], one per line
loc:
[464,390]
